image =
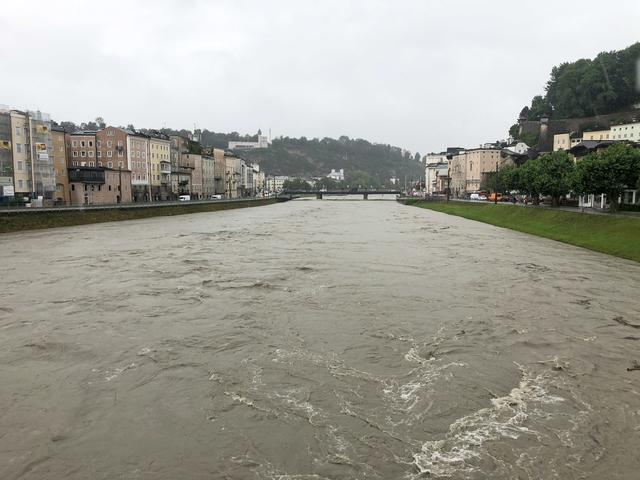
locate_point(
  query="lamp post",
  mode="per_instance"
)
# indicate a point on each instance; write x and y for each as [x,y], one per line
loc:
[495,193]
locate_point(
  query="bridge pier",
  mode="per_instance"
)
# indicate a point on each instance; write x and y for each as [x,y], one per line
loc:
[366,196]
[319,195]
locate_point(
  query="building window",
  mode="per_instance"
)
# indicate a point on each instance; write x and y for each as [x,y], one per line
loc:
[109,187]
[75,163]
[82,144]
[120,164]
[99,164]
[19,164]
[91,164]
[91,153]
[121,154]
[119,143]
[99,143]
[91,143]
[17,131]
[18,148]
[83,153]
[110,133]
[110,164]
[98,154]
[109,153]
[73,187]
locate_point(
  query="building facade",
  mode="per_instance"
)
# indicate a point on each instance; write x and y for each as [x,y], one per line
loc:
[137,147]
[33,170]
[59,154]
[81,150]
[626,131]
[160,166]
[208,176]
[470,169]
[7,190]
[99,186]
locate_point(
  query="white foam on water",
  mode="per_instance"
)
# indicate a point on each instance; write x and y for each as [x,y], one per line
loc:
[112,374]
[505,419]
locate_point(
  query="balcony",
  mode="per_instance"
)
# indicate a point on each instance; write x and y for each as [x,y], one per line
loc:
[165,167]
[86,175]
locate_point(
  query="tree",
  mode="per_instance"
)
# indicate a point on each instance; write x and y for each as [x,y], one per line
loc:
[327,183]
[609,171]
[589,87]
[296,184]
[509,178]
[100,122]
[528,177]
[556,175]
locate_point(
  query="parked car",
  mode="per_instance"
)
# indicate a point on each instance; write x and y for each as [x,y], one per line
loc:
[477,196]
[216,197]
[184,198]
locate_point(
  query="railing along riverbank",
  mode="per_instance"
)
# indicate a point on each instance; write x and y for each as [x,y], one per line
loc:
[18,219]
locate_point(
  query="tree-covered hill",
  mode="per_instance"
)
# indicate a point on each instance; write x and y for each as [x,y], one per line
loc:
[316,157]
[585,88]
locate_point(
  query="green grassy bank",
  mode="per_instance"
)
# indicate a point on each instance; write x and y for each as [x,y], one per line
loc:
[32,220]
[619,236]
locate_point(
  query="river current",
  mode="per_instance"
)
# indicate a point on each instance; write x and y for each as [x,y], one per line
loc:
[315,339]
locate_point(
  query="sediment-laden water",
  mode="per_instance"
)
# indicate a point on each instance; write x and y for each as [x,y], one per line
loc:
[315,340]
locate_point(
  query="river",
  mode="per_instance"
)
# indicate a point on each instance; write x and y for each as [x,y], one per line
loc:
[315,340]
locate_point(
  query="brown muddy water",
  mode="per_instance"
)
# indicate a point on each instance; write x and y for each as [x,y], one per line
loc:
[315,340]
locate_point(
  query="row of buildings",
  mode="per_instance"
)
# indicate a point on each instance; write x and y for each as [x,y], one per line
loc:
[42,164]
[465,171]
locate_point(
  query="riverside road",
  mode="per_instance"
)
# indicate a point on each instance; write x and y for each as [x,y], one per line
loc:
[315,340]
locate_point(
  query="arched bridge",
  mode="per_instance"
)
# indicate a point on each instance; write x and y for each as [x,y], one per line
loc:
[320,193]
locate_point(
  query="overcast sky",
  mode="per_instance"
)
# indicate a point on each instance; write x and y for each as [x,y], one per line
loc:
[418,74]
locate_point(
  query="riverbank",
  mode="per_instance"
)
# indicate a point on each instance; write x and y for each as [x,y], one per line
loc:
[613,235]
[18,220]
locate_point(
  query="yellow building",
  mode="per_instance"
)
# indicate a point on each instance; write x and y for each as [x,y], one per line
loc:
[160,166]
[597,135]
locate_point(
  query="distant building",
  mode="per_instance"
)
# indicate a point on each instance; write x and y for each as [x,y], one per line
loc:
[208,176]
[234,175]
[160,166]
[436,177]
[337,175]
[275,183]
[597,135]
[31,144]
[519,148]
[181,166]
[470,168]
[263,142]
[6,157]
[219,171]
[59,155]
[626,131]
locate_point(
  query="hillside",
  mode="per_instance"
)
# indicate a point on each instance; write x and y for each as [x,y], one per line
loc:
[590,87]
[315,157]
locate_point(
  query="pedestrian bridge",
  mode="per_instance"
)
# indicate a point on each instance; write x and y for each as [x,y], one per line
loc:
[320,193]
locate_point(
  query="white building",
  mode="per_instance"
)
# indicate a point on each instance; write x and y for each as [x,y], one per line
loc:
[337,175]
[275,183]
[519,148]
[436,175]
[263,142]
[626,131]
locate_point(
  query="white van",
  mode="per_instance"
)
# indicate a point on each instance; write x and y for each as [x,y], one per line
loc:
[184,198]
